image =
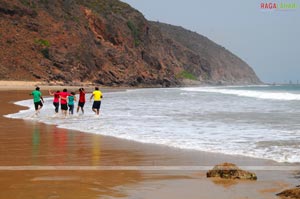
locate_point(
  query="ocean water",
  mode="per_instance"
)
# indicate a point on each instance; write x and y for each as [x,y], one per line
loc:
[255,121]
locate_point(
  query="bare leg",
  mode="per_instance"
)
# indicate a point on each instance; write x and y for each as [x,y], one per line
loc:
[64,112]
[38,110]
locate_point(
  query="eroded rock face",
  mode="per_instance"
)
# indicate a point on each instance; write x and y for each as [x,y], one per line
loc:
[290,193]
[230,171]
[106,42]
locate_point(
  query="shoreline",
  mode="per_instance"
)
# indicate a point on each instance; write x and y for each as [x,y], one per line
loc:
[25,85]
[30,85]
[112,152]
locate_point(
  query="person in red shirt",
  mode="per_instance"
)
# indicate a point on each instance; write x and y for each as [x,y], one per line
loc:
[64,101]
[55,99]
[81,100]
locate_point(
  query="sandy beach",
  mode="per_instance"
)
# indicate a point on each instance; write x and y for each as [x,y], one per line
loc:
[125,169]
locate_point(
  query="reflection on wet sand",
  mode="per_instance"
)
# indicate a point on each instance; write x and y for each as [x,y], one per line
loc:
[60,139]
[33,143]
[96,150]
[53,146]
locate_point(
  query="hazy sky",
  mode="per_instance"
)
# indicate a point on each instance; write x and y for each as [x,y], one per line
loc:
[269,41]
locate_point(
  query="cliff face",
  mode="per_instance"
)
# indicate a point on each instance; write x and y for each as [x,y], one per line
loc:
[218,64]
[106,42]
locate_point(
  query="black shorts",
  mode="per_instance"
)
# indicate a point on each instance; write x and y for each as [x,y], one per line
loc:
[64,107]
[81,104]
[55,104]
[96,105]
[37,104]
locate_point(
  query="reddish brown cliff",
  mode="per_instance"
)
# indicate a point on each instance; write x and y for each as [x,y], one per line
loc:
[105,42]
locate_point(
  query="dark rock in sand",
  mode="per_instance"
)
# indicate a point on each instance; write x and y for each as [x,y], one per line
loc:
[290,193]
[230,171]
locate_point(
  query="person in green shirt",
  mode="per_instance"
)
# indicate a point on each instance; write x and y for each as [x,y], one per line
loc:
[37,99]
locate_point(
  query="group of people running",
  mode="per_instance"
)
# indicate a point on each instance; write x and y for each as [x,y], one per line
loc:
[67,100]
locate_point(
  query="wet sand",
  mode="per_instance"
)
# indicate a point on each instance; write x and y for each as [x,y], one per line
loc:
[25,143]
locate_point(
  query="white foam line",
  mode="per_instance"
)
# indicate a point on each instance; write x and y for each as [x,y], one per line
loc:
[248,93]
[143,168]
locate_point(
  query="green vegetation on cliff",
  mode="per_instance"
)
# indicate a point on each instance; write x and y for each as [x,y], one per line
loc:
[186,75]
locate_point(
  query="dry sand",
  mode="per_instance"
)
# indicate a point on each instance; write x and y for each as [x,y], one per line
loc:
[24,143]
[29,85]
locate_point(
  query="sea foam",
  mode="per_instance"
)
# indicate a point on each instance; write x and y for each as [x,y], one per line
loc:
[248,93]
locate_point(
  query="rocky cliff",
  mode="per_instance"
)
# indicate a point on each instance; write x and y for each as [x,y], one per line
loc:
[218,64]
[108,43]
